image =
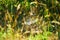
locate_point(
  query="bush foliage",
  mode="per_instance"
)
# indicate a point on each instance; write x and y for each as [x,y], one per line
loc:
[30,19]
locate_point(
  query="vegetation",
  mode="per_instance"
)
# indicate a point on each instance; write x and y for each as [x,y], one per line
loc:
[29,19]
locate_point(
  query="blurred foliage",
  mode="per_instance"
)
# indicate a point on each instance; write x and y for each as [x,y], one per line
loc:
[34,19]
